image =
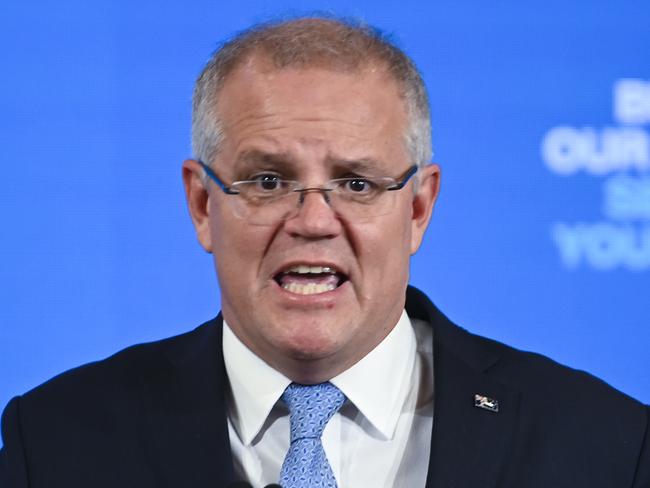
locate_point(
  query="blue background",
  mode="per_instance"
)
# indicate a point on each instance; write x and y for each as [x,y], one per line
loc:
[97,248]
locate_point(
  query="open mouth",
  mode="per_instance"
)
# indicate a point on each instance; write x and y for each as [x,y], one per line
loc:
[310,280]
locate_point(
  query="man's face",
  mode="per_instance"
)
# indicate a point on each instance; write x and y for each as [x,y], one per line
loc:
[311,125]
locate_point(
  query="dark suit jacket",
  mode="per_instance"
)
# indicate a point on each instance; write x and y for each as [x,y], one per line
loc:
[153,415]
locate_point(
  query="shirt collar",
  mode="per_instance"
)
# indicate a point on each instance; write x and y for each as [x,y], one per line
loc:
[377,384]
[255,385]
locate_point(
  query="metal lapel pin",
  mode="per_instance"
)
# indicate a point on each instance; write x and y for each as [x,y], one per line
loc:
[486,403]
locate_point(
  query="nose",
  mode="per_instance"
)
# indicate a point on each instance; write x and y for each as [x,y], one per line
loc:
[315,217]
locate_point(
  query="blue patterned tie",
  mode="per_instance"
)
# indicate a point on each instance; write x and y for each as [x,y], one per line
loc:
[310,408]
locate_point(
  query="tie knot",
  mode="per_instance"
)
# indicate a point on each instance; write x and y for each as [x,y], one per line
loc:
[311,407]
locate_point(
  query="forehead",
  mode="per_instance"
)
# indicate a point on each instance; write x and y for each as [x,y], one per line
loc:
[311,113]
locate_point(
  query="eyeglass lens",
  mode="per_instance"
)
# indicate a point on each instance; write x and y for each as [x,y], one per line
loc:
[271,212]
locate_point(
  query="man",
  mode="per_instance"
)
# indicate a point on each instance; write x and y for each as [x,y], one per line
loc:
[311,188]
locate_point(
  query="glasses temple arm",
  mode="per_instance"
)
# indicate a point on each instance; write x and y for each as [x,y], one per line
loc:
[213,176]
[405,179]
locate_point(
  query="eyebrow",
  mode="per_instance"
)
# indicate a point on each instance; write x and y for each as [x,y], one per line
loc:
[253,160]
[362,165]
[255,157]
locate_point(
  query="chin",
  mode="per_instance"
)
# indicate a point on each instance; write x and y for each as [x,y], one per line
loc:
[311,343]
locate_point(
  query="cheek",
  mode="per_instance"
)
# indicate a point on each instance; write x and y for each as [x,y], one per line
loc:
[238,248]
[384,249]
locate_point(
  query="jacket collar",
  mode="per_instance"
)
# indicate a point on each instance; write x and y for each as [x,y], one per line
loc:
[470,445]
[185,422]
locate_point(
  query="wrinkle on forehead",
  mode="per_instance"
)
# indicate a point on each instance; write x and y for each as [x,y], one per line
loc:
[256,157]
[313,115]
[334,140]
[277,121]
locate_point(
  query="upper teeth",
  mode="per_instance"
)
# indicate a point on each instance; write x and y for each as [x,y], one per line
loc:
[303,269]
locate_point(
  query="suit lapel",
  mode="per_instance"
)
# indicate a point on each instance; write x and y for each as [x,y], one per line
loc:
[469,445]
[184,412]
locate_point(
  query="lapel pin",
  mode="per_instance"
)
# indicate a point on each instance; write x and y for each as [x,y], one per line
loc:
[486,403]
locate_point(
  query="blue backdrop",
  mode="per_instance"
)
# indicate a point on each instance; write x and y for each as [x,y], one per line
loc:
[541,119]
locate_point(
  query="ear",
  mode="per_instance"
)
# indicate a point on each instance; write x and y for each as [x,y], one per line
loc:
[197,201]
[425,199]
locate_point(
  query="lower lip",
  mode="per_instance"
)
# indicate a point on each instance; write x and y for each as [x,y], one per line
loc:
[325,299]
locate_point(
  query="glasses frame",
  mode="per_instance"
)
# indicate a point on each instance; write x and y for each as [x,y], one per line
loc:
[228,190]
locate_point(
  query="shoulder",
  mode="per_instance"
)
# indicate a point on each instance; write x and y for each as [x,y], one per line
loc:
[522,370]
[108,417]
[544,384]
[552,386]
[547,389]
[118,379]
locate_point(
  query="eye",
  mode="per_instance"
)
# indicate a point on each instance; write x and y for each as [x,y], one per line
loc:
[267,182]
[358,185]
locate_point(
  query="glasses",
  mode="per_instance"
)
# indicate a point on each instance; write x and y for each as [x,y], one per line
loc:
[267,199]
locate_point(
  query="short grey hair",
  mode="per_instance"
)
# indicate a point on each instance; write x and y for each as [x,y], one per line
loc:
[330,43]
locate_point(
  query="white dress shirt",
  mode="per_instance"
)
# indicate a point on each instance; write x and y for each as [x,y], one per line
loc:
[380,438]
